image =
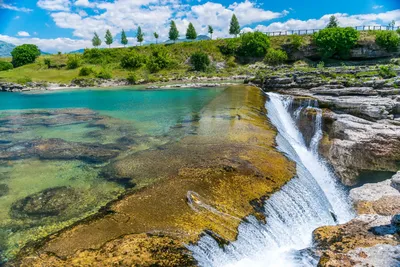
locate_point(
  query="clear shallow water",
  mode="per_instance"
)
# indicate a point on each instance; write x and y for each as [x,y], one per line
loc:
[154,111]
[128,120]
[311,199]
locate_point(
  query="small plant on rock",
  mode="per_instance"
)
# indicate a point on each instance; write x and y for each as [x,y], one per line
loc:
[387,72]
[275,57]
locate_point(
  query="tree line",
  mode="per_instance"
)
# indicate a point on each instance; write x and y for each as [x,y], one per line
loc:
[173,35]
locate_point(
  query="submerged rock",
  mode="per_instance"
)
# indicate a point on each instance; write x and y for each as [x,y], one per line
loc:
[58,149]
[50,202]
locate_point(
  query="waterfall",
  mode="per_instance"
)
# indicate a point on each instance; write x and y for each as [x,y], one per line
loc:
[311,199]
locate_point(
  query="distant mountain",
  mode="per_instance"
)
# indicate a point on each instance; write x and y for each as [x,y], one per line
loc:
[199,38]
[5,49]
[80,51]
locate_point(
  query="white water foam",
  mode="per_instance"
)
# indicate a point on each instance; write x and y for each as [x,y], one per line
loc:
[310,200]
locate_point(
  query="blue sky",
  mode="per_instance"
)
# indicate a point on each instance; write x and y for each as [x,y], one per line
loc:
[65,25]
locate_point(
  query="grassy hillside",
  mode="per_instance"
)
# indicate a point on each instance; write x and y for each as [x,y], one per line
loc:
[55,68]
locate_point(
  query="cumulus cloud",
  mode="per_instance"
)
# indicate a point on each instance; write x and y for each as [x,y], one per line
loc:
[12,7]
[345,20]
[23,34]
[49,45]
[54,5]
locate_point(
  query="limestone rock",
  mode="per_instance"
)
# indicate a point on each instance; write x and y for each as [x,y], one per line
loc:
[379,198]
[396,181]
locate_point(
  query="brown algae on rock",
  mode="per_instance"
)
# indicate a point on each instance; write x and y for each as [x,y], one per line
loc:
[205,181]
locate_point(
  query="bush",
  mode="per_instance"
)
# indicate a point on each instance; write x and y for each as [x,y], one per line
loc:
[132,78]
[387,72]
[200,61]
[296,41]
[133,61]
[85,71]
[5,66]
[336,41]
[398,31]
[230,47]
[253,44]
[275,57]
[47,62]
[73,62]
[104,74]
[24,54]
[24,80]
[389,40]
[159,59]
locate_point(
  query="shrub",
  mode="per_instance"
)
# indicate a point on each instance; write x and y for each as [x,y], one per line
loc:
[73,62]
[85,71]
[230,47]
[387,72]
[24,54]
[296,41]
[389,40]
[398,31]
[104,74]
[200,61]
[5,66]
[321,65]
[230,62]
[24,80]
[133,61]
[336,41]
[253,44]
[132,78]
[275,57]
[47,62]
[159,59]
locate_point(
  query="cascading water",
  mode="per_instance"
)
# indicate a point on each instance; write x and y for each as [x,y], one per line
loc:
[310,200]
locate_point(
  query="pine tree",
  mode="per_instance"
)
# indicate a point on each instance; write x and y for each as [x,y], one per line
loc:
[156,36]
[191,33]
[173,32]
[140,35]
[96,40]
[210,30]
[109,38]
[124,40]
[333,22]
[234,28]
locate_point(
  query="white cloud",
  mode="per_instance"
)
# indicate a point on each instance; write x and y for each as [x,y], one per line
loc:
[49,45]
[54,5]
[345,20]
[23,34]
[377,7]
[12,7]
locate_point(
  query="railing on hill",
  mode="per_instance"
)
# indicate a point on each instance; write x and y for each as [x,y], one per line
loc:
[311,31]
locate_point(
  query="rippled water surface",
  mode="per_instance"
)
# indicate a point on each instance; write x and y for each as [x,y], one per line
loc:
[53,147]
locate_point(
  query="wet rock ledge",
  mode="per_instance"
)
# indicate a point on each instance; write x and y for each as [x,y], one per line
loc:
[229,163]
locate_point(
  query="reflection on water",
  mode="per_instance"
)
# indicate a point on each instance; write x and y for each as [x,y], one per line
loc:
[53,147]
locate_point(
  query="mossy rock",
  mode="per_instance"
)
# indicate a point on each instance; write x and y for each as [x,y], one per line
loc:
[50,202]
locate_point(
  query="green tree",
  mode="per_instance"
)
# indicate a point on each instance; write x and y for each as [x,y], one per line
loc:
[124,40]
[333,22]
[173,32]
[96,40]
[234,28]
[140,35]
[191,33]
[210,30]
[24,54]
[336,41]
[156,36]
[109,38]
